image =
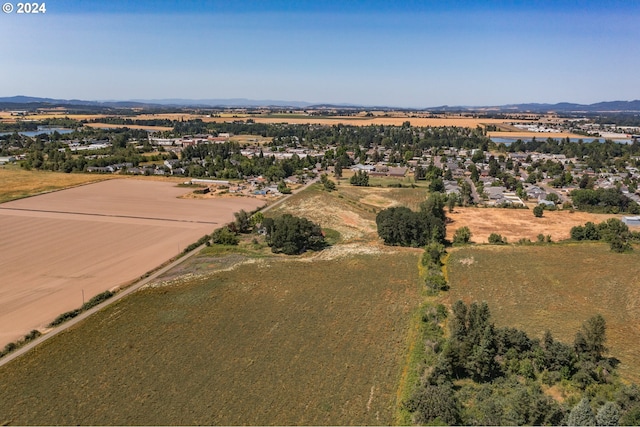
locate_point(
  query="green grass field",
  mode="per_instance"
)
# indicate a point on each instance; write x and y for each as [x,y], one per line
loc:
[556,288]
[270,342]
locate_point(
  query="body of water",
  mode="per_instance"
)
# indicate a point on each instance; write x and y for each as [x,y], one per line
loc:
[41,130]
[508,141]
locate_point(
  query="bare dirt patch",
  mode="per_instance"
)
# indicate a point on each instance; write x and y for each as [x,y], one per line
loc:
[515,224]
[93,238]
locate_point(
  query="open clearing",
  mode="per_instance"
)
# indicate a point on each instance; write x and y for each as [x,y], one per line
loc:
[93,238]
[515,224]
[555,288]
[350,210]
[270,342]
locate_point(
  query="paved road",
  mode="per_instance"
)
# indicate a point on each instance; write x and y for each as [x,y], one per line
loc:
[131,289]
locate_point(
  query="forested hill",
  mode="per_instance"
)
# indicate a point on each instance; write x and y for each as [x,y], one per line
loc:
[26,102]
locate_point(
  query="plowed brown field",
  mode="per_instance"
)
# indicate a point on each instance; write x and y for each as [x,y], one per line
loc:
[93,238]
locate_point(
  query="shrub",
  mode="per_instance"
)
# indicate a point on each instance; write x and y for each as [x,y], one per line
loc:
[201,241]
[462,236]
[538,211]
[432,254]
[224,236]
[97,300]
[435,282]
[497,239]
[65,316]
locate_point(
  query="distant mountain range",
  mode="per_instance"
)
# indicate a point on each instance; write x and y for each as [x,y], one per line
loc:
[28,102]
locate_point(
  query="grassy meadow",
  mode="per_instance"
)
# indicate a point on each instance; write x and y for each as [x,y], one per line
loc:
[268,342]
[555,287]
[350,210]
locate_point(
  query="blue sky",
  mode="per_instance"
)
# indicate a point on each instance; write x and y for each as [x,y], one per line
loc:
[396,53]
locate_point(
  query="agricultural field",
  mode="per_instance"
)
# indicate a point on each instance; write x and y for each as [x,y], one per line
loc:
[18,183]
[555,287]
[465,122]
[6,117]
[515,224]
[389,120]
[318,339]
[61,247]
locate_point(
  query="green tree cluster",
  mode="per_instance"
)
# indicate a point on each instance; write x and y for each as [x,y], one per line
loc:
[497,239]
[400,226]
[612,231]
[292,235]
[360,179]
[431,261]
[505,371]
[328,184]
[603,200]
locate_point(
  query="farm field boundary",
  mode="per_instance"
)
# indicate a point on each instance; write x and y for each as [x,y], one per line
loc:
[53,262]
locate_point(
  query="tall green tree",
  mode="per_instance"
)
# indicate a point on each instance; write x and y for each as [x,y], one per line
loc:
[590,339]
[293,235]
[608,415]
[581,414]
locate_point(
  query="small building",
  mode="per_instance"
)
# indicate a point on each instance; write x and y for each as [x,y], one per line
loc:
[209,181]
[7,159]
[631,221]
[399,172]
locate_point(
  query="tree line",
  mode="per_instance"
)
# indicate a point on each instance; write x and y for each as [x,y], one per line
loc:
[505,372]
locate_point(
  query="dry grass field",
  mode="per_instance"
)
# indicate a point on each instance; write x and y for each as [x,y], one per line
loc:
[515,224]
[466,122]
[391,120]
[6,116]
[251,139]
[359,120]
[555,288]
[18,183]
[93,238]
[351,210]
